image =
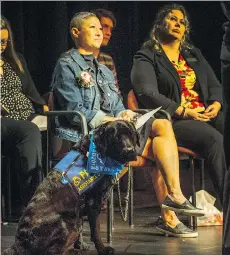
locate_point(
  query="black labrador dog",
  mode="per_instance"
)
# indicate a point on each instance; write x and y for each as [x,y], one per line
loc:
[52,221]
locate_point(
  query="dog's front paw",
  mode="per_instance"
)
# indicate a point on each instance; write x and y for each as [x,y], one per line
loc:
[81,245]
[107,251]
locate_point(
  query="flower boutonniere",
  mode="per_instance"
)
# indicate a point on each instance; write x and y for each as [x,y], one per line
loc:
[84,79]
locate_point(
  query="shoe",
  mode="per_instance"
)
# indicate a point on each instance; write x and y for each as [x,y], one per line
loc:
[186,208]
[179,231]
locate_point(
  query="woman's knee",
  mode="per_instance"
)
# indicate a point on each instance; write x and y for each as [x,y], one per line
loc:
[162,127]
[30,131]
[210,143]
[216,140]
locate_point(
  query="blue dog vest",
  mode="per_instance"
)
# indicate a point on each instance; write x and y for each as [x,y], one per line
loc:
[72,166]
[83,177]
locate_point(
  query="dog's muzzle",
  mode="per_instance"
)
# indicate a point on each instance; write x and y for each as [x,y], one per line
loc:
[128,154]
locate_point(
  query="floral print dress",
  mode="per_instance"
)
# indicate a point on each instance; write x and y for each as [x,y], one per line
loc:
[18,106]
[189,94]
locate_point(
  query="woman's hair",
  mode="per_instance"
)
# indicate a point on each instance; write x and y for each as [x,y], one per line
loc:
[155,34]
[10,54]
[105,13]
[78,18]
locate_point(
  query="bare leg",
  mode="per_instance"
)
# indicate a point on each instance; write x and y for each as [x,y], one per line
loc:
[161,191]
[163,148]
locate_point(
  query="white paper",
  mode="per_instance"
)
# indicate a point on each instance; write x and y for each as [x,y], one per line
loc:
[41,122]
[144,118]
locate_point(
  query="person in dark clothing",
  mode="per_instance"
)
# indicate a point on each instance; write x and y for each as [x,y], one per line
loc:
[225,75]
[21,139]
[108,23]
[170,72]
[19,96]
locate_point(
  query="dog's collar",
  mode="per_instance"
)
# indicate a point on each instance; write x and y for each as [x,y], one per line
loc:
[97,164]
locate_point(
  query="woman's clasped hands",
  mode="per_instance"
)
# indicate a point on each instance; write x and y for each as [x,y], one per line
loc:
[210,113]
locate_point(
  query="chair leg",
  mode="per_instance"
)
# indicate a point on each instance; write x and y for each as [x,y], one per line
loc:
[112,210]
[131,197]
[3,208]
[48,145]
[109,217]
[202,174]
[193,218]
[9,197]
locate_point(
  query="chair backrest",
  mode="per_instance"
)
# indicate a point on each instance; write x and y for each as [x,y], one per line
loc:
[51,101]
[51,120]
[132,101]
[56,146]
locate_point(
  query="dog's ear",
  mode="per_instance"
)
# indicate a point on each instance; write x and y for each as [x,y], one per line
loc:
[99,138]
[82,145]
[134,131]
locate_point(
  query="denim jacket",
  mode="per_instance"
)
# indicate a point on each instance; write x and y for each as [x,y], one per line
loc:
[70,95]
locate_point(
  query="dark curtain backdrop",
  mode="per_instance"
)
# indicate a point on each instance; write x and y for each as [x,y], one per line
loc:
[41,32]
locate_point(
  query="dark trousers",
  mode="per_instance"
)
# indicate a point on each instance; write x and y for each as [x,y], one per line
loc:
[225,74]
[207,141]
[226,211]
[21,141]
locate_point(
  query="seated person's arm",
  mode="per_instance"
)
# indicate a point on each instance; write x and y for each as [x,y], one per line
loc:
[118,108]
[214,86]
[215,98]
[215,94]
[144,81]
[226,8]
[29,88]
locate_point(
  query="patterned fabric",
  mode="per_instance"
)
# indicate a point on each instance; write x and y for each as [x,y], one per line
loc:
[107,60]
[189,96]
[19,106]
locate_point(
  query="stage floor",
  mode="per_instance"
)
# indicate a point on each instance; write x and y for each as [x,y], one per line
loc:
[143,239]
